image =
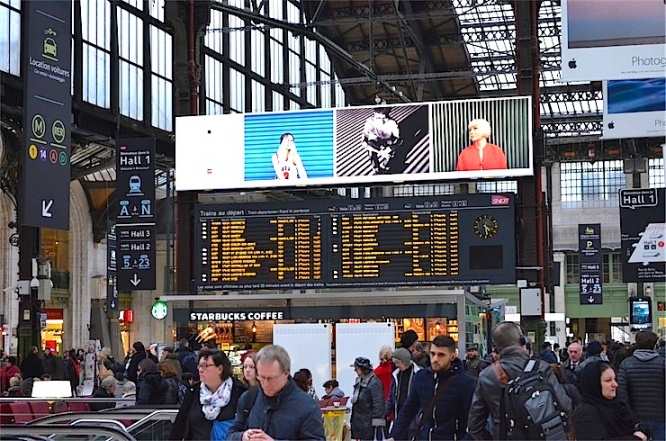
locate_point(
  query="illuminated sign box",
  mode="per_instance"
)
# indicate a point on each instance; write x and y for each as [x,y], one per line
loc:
[445,240]
[613,40]
[374,144]
[634,108]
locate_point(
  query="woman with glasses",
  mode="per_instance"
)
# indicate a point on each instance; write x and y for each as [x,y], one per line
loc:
[209,407]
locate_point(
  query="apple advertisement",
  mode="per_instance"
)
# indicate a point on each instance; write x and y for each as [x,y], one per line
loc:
[613,39]
[488,138]
[634,108]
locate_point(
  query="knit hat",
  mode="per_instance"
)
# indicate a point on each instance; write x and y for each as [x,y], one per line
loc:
[403,355]
[593,348]
[408,338]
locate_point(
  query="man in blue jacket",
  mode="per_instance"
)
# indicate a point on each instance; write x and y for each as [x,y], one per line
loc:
[447,420]
[281,411]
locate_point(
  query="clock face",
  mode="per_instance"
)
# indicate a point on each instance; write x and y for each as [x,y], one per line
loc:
[485,226]
[159,310]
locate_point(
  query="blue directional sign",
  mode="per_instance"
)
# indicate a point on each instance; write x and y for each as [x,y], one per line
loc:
[47,104]
[135,256]
[590,262]
[135,180]
[135,221]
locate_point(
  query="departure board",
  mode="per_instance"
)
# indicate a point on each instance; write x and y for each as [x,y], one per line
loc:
[434,241]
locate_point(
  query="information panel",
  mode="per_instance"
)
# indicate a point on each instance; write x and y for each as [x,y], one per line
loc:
[47,104]
[441,240]
[590,264]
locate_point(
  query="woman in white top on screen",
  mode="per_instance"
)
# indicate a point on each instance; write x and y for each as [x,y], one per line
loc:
[286,161]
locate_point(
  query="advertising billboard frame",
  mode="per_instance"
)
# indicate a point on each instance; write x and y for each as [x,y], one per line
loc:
[615,41]
[216,152]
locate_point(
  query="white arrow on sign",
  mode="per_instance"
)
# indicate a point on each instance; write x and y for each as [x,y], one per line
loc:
[46,206]
[589,299]
[135,280]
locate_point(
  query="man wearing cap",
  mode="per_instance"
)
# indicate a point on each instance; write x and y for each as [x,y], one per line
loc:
[105,390]
[472,362]
[400,386]
[367,402]
[410,341]
[440,397]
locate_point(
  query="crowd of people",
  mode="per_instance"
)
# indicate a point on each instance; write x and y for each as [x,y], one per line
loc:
[600,391]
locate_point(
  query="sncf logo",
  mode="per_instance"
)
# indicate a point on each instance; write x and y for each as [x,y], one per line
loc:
[499,200]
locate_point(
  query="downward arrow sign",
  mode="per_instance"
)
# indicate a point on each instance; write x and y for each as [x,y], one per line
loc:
[135,280]
[46,206]
[589,299]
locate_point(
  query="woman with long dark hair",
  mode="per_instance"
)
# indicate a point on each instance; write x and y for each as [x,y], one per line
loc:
[602,415]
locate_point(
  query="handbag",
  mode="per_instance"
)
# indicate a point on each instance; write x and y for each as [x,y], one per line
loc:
[428,410]
[220,430]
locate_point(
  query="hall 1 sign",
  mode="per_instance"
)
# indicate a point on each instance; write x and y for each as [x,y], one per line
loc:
[590,262]
[47,104]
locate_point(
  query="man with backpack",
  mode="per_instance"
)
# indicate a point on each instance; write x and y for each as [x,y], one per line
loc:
[510,406]
[187,358]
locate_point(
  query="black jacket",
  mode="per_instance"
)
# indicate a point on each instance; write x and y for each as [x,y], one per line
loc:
[32,366]
[588,424]
[181,426]
[291,415]
[100,392]
[640,382]
[368,410]
[149,388]
[488,392]
[49,364]
[133,367]
[169,389]
[450,411]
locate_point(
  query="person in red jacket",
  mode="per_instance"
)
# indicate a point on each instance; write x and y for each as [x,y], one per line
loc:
[8,371]
[385,369]
[481,155]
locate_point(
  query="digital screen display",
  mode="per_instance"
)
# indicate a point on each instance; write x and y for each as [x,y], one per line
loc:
[640,313]
[353,145]
[446,240]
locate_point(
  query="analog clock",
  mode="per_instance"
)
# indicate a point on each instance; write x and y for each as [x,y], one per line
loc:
[485,226]
[159,310]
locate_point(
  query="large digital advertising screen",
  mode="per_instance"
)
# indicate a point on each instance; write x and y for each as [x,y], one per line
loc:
[634,108]
[613,39]
[429,241]
[471,139]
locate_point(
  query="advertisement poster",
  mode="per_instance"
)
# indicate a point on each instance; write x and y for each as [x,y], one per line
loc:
[634,108]
[643,235]
[356,145]
[613,39]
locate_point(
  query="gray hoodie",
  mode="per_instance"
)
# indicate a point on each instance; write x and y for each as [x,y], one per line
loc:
[641,383]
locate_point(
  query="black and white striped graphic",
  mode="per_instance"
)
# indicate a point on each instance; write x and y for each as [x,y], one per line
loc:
[352,159]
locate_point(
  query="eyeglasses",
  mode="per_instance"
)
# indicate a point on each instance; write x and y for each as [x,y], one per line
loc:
[205,366]
[269,379]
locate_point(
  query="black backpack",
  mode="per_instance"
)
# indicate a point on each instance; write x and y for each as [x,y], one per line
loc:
[528,407]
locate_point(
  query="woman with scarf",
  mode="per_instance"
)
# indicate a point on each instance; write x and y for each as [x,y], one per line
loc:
[602,415]
[367,402]
[209,407]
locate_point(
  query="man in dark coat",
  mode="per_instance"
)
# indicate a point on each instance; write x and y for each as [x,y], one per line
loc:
[138,356]
[640,382]
[49,363]
[187,358]
[547,353]
[574,358]
[32,366]
[510,342]
[105,390]
[448,418]
[281,410]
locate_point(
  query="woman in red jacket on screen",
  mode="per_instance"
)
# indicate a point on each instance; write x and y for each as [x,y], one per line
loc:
[481,155]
